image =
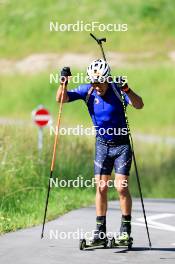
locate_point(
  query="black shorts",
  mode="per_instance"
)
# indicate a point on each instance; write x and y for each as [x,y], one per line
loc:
[109,156]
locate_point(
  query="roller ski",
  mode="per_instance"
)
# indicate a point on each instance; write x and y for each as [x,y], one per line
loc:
[99,237]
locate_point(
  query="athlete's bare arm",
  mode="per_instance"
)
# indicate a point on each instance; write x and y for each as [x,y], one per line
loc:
[135,99]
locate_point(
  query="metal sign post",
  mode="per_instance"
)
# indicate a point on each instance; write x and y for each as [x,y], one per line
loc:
[40,139]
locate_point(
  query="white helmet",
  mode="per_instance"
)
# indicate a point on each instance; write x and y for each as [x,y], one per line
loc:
[98,71]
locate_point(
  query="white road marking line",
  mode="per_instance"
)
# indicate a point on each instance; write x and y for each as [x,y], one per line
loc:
[154,224]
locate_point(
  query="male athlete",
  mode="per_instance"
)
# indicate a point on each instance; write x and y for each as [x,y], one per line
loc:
[113,150]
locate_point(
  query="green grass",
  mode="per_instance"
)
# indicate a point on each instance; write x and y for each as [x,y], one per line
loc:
[25,26]
[19,210]
[24,177]
[20,94]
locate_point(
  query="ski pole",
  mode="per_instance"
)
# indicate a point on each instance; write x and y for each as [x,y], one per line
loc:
[53,158]
[99,41]
[140,191]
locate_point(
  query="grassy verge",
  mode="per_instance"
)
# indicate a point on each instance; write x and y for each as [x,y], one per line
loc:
[24,177]
[25,27]
[25,207]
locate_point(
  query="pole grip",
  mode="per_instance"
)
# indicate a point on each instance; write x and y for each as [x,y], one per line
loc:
[99,40]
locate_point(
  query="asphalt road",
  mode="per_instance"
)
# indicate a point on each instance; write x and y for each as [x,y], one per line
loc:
[61,244]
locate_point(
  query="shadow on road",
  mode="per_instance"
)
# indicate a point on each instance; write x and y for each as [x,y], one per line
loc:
[146,248]
[135,249]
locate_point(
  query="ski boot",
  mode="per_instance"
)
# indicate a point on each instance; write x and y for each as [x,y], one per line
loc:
[123,239]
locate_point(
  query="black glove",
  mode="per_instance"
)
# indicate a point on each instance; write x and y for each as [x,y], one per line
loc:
[65,73]
[122,84]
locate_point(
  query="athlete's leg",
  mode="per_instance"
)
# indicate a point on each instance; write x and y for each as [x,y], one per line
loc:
[103,165]
[125,205]
[122,186]
[101,194]
[122,169]
[101,208]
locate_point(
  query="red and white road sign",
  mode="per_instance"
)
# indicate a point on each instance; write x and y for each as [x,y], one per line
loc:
[42,117]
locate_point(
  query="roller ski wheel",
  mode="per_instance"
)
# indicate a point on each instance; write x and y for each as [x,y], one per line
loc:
[82,244]
[111,242]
